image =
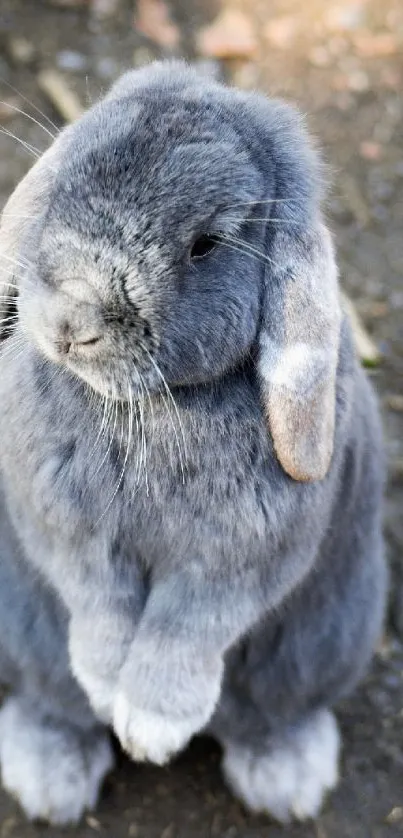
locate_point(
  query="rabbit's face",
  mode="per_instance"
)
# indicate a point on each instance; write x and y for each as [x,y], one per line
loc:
[138,276]
[178,231]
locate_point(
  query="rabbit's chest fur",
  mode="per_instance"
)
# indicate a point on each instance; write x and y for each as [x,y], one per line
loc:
[161,483]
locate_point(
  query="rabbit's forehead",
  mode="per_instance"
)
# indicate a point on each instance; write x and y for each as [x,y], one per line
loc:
[155,140]
[160,164]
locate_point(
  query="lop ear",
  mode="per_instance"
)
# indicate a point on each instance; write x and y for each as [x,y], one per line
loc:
[299,342]
[25,206]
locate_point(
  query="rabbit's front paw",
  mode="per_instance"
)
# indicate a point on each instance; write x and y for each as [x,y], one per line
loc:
[169,713]
[148,736]
[97,653]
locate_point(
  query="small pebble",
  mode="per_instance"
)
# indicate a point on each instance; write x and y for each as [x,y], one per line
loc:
[358,81]
[337,45]
[21,50]
[72,61]
[395,815]
[395,402]
[390,77]
[370,150]
[93,823]
[344,100]
[320,57]
[345,17]
[107,68]
[104,9]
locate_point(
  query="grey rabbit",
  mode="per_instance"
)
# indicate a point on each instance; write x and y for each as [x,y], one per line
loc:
[191,455]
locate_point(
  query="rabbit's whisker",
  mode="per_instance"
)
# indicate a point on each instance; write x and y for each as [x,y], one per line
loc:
[18,215]
[30,148]
[268,220]
[175,407]
[122,472]
[58,371]
[103,426]
[11,273]
[7,356]
[263,201]
[17,262]
[28,116]
[248,250]
[137,420]
[31,104]
[143,436]
[239,250]
[12,344]
[9,285]
[150,402]
[12,318]
[139,433]
[110,432]
[132,417]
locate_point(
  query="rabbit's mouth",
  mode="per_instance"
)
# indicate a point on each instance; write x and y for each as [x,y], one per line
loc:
[115,361]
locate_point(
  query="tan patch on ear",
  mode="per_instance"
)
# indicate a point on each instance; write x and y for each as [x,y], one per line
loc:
[303,438]
[298,369]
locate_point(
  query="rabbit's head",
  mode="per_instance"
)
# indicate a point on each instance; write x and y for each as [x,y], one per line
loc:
[172,232]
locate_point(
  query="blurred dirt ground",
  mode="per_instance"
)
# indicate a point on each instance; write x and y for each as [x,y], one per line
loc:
[342,62]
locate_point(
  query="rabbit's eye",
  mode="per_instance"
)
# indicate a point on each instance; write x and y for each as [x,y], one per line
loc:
[203,246]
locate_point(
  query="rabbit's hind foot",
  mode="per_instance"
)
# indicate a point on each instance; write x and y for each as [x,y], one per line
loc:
[55,771]
[289,779]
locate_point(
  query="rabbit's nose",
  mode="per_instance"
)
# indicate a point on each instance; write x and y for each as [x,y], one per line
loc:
[70,337]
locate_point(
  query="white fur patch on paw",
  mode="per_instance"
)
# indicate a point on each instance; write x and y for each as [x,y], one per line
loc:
[291,780]
[54,773]
[148,736]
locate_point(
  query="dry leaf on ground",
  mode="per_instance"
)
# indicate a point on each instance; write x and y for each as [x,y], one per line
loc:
[365,346]
[231,35]
[56,88]
[375,45]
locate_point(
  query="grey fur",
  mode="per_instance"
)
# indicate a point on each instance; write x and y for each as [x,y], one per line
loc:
[200,586]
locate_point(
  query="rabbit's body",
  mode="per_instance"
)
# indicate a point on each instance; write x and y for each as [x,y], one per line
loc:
[196,584]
